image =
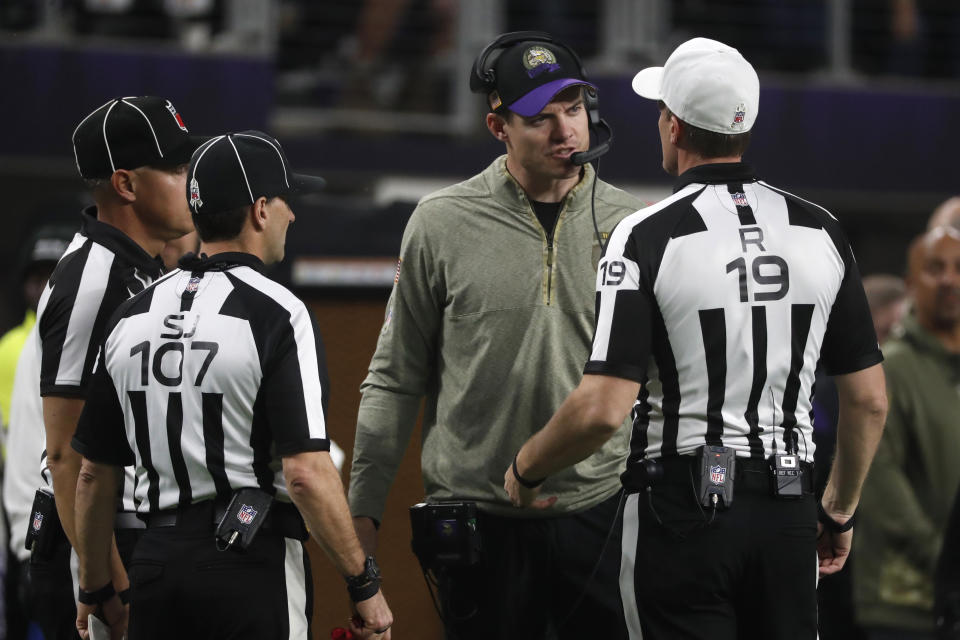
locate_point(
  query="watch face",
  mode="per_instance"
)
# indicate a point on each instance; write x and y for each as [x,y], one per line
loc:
[370,568]
[371,573]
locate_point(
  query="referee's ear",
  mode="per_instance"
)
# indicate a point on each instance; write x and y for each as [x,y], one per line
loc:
[122,183]
[259,214]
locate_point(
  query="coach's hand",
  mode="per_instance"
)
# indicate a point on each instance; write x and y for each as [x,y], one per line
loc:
[522,496]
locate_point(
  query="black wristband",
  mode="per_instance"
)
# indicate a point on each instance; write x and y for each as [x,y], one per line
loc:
[832,525]
[529,484]
[364,586]
[99,596]
[124,596]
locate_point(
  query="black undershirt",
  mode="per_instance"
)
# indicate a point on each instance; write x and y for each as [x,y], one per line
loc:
[547,213]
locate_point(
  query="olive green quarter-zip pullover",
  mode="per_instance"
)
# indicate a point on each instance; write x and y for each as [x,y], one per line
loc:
[491,322]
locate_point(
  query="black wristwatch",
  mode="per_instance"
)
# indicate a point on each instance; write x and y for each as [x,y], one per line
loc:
[364,586]
[832,525]
[99,596]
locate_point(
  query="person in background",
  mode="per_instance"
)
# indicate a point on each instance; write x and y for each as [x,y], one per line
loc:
[887,297]
[946,213]
[909,492]
[42,250]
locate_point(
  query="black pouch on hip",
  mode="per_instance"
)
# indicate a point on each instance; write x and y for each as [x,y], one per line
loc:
[445,534]
[243,518]
[786,476]
[716,466]
[44,531]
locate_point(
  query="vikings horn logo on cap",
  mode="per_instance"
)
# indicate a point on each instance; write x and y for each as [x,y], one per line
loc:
[538,60]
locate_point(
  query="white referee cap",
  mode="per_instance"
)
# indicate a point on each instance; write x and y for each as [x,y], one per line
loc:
[707,84]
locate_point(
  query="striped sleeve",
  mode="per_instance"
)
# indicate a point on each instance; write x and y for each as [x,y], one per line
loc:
[850,340]
[101,434]
[624,311]
[627,312]
[69,317]
[294,386]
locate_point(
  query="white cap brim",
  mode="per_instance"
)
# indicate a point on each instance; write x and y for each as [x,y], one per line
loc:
[647,83]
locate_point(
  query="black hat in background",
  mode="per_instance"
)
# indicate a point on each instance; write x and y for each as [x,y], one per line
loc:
[529,74]
[45,247]
[233,170]
[127,133]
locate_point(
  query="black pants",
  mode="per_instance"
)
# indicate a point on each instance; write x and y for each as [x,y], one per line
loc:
[750,573]
[532,577]
[899,634]
[49,592]
[183,587]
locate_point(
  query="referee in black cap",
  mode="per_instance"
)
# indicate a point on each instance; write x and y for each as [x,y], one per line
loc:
[213,384]
[133,154]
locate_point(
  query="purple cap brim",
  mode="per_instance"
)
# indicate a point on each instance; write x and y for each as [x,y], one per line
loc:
[534,102]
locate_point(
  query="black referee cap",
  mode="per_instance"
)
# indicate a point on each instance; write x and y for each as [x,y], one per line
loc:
[233,170]
[126,133]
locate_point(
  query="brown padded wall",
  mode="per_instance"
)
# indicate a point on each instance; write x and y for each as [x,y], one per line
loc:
[350,329]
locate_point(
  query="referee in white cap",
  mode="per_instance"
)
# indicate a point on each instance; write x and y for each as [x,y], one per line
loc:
[213,384]
[713,309]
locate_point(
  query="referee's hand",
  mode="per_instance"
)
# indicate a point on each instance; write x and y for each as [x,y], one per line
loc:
[832,549]
[373,618]
[113,612]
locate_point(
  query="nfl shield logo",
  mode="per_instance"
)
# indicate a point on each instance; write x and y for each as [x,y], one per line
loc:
[740,199]
[37,521]
[193,285]
[195,200]
[738,115]
[246,514]
[718,474]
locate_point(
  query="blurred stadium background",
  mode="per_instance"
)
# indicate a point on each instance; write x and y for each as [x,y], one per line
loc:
[860,112]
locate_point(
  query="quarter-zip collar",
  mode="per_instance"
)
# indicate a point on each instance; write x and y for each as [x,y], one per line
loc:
[509,194]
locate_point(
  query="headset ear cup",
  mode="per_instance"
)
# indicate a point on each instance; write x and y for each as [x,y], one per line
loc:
[592,103]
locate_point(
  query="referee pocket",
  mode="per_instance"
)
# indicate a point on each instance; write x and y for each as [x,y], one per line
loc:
[241,563]
[144,572]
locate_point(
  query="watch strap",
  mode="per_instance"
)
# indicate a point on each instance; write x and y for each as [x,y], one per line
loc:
[832,525]
[99,596]
[365,585]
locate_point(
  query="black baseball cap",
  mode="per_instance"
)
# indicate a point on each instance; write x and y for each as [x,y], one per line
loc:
[126,133]
[529,74]
[233,170]
[45,246]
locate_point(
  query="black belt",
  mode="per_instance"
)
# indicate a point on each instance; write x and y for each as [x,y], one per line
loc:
[128,520]
[283,518]
[751,473]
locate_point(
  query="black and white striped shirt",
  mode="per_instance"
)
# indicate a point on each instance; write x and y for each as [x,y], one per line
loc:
[101,268]
[205,380]
[720,300]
